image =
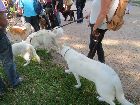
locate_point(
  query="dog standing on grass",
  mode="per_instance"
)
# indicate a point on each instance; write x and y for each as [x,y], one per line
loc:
[43,39]
[26,51]
[107,81]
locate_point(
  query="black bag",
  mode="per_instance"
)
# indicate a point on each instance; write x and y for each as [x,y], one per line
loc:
[37,7]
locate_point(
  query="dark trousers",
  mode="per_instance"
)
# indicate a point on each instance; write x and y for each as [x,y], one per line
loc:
[80,8]
[34,21]
[52,17]
[6,56]
[96,46]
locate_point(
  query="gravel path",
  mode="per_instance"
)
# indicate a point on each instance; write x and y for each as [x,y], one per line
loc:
[122,48]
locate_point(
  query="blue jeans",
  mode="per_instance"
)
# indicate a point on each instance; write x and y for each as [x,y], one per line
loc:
[79,14]
[6,56]
[80,8]
[58,18]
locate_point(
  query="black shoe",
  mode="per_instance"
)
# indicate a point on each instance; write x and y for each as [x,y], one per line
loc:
[2,94]
[19,83]
[90,55]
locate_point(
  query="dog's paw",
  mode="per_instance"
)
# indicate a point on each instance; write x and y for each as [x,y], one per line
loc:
[100,98]
[67,71]
[77,86]
[25,64]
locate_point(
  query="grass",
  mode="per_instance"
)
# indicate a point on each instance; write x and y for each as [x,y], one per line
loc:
[48,84]
[136,2]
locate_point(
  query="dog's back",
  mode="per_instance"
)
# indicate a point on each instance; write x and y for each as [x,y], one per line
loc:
[88,66]
[25,50]
[67,13]
[20,48]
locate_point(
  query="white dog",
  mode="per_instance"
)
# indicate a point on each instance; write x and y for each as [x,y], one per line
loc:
[107,82]
[26,51]
[44,38]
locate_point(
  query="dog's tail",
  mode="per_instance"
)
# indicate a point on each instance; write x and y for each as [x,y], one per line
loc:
[35,54]
[119,92]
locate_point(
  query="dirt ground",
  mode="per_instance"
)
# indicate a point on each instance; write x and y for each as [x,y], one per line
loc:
[122,48]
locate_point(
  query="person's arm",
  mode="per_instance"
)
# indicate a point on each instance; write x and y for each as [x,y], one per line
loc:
[65,2]
[20,4]
[56,4]
[3,19]
[105,6]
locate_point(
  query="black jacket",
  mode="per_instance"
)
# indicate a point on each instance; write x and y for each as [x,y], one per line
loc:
[80,3]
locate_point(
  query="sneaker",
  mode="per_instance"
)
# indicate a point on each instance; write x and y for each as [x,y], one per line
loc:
[1,94]
[19,83]
[20,79]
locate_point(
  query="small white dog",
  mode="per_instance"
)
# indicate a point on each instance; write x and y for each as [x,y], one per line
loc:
[26,51]
[107,81]
[44,38]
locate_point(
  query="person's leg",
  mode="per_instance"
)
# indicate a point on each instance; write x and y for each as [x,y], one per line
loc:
[92,44]
[58,18]
[53,19]
[81,14]
[100,51]
[2,87]
[78,13]
[92,47]
[35,23]
[6,56]
[27,19]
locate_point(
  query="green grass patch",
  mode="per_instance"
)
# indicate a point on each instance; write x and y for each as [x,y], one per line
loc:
[48,84]
[136,2]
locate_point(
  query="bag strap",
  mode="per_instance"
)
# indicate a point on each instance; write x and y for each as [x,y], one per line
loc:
[107,21]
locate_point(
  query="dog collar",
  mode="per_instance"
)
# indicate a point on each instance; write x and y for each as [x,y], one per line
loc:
[66,52]
[31,40]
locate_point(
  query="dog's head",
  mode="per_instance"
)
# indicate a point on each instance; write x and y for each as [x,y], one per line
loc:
[58,31]
[29,38]
[63,49]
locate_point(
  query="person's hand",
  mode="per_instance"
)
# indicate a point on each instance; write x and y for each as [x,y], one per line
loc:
[95,34]
[3,20]
[87,16]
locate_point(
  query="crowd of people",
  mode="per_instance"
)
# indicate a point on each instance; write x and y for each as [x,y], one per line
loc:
[51,11]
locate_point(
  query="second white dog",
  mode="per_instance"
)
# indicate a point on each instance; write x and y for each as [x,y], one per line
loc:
[44,38]
[107,81]
[26,51]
